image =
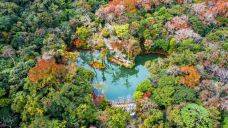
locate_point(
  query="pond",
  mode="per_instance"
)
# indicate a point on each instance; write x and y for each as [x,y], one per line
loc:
[115,82]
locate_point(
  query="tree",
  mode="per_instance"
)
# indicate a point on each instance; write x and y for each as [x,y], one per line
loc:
[83,33]
[184,94]
[190,116]
[145,86]
[191,77]
[225,122]
[45,122]
[85,115]
[189,44]
[122,31]
[161,44]
[198,25]
[194,115]
[3,101]
[118,118]
[163,95]
[186,57]
[46,70]
[172,45]
[65,102]
[154,120]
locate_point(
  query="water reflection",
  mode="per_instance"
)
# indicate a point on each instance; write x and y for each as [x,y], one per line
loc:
[115,82]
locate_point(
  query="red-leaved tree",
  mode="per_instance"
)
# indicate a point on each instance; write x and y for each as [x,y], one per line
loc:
[46,70]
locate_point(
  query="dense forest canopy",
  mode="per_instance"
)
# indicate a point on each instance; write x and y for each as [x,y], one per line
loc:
[42,87]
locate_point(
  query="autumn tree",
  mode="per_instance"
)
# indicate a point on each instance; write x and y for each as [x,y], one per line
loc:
[191,76]
[46,70]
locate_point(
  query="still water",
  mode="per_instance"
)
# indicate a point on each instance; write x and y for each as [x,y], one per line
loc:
[116,82]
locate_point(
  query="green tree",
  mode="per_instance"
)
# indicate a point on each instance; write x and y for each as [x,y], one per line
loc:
[122,31]
[161,44]
[83,33]
[118,118]
[4,101]
[154,120]
[196,116]
[189,44]
[198,25]
[184,94]
[86,114]
[163,94]
[145,86]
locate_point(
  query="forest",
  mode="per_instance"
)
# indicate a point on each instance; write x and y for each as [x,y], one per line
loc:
[68,63]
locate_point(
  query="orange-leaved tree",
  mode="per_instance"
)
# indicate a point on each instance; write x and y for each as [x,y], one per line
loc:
[47,70]
[191,77]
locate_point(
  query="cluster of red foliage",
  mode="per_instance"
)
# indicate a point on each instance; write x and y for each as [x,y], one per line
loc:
[128,4]
[147,94]
[97,99]
[116,7]
[177,23]
[46,69]
[221,7]
[209,10]
[210,94]
[192,76]
[180,1]
[77,43]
